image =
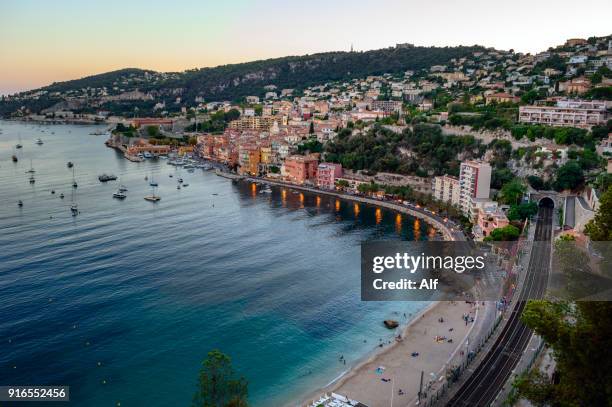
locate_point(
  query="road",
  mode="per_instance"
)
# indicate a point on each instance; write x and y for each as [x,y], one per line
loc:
[485,383]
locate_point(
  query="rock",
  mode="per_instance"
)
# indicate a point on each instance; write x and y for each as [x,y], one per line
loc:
[391,324]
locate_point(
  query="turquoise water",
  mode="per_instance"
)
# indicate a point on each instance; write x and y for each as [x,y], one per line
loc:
[123,302]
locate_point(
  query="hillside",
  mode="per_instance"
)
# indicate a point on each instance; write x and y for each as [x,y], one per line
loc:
[232,82]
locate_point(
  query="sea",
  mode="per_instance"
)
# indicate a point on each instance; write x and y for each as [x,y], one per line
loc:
[123,301]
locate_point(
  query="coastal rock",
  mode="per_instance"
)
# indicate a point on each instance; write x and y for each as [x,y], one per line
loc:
[391,324]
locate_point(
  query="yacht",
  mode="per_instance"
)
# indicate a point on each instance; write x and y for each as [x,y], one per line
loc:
[146,154]
[62,195]
[32,180]
[14,158]
[122,188]
[39,141]
[153,183]
[69,164]
[186,184]
[119,195]
[74,209]
[178,186]
[153,197]
[107,177]
[180,180]
[20,203]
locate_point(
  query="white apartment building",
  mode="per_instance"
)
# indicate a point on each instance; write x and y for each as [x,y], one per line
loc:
[568,113]
[446,189]
[474,184]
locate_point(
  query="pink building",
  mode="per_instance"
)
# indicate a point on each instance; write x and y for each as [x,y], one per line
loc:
[327,174]
[300,169]
[487,221]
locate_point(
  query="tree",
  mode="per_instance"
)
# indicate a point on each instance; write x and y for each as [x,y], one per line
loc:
[600,227]
[522,211]
[311,130]
[153,131]
[218,385]
[505,234]
[569,176]
[536,182]
[512,192]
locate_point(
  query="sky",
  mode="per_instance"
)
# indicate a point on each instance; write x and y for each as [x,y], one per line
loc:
[46,41]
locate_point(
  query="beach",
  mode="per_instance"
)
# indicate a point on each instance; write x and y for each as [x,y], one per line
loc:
[378,380]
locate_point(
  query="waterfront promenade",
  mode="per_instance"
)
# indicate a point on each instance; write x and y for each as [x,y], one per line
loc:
[447,228]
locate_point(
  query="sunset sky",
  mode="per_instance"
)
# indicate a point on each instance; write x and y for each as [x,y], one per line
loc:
[46,41]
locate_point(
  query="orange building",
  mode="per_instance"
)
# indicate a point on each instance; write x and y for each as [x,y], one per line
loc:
[300,169]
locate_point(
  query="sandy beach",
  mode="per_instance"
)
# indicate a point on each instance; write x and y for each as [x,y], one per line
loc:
[439,335]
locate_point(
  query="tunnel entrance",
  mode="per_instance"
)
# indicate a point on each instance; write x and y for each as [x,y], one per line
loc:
[546,202]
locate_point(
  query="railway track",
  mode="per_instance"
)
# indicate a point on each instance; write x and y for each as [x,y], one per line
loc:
[485,383]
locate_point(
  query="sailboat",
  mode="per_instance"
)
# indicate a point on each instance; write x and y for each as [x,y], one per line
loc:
[39,141]
[152,197]
[14,157]
[31,170]
[19,145]
[153,183]
[74,183]
[32,180]
[74,208]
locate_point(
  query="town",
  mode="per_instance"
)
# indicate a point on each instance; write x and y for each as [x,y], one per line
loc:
[469,140]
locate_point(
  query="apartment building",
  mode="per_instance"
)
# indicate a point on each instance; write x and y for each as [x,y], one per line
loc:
[327,174]
[474,183]
[567,113]
[262,123]
[446,189]
[300,169]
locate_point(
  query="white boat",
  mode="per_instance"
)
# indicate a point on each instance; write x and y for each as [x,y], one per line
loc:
[74,209]
[119,195]
[122,188]
[152,198]
[39,141]
[146,154]
[32,180]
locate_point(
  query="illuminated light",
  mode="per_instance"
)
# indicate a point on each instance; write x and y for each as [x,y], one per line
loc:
[445,219]
[318,201]
[337,205]
[301,197]
[398,224]
[433,213]
[378,216]
[417,229]
[356,209]
[417,206]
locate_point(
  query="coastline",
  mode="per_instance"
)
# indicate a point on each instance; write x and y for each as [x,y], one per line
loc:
[362,383]
[439,225]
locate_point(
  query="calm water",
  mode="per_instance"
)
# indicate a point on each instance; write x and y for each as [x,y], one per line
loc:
[123,302]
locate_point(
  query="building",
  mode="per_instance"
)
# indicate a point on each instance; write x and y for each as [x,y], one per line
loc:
[300,169]
[252,99]
[572,42]
[262,123]
[567,113]
[488,217]
[327,174]
[387,106]
[474,183]
[501,98]
[151,121]
[446,189]
[249,158]
[576,86]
